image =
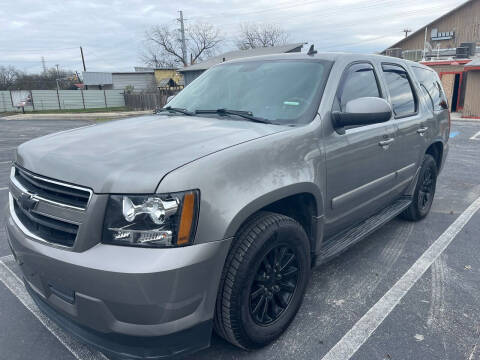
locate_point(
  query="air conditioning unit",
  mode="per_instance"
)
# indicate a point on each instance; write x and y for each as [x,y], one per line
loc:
[472,47]
[462,52]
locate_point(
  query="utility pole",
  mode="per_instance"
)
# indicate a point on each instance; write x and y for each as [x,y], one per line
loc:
[83,59]
[406,31]
[58,73]
[182,33]
[44,66]
[84,68]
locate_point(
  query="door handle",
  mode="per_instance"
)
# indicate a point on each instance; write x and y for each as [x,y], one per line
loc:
[386,143]
[422,130]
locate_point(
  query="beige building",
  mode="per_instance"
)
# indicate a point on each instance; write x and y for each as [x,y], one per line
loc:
[166,74]
[449,45]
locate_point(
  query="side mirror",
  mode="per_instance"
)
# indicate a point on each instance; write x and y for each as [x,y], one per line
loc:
[363,111]
[170,98]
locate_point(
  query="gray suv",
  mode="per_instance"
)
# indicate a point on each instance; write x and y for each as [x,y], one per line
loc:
[142,235]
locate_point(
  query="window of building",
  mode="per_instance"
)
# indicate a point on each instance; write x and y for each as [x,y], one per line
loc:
[359,81]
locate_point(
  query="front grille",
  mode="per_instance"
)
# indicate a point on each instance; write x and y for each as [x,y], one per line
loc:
[51,190]
[46,209]
[52,230]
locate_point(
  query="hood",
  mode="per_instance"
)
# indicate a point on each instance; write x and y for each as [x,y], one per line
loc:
[133,155]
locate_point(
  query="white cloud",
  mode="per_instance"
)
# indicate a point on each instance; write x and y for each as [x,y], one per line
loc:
[111,31]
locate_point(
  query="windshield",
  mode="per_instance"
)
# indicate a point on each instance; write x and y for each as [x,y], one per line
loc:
[285,92]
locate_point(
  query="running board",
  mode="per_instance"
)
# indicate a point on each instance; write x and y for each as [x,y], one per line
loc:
[346,238]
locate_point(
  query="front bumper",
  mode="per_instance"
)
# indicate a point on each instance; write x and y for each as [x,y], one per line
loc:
[129,302]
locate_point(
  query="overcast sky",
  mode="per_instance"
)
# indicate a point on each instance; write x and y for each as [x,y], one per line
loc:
[112,32]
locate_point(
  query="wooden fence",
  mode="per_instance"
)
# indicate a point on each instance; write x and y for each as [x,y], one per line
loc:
[147,101]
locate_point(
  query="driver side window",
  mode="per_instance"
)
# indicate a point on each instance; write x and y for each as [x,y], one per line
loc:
[359,80]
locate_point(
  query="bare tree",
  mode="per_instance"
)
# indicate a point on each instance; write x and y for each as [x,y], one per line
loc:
[163,46]
[8,77]
[261,35]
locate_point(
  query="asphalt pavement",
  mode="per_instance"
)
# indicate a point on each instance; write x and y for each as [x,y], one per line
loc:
[408,291]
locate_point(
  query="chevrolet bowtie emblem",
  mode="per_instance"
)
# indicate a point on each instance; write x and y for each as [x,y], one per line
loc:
[27,202]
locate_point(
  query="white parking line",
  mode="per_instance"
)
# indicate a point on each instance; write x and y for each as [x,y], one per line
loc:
[476,136]
[364,328]
[16,286]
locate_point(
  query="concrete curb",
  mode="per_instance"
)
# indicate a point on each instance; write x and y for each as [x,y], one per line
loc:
[77,116]
[465,119]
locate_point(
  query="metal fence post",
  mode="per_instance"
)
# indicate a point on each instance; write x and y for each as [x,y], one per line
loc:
[11,99]
[105,97]
[58,97]
[33,102]
[83,99]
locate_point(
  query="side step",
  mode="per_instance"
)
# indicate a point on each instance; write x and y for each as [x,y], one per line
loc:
[348,237]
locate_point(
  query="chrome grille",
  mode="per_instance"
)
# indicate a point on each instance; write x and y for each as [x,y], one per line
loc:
[53,190]
[56,231]
[46,209]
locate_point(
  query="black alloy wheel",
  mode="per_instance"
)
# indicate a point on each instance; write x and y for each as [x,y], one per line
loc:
[427,188]
[424,192]
[274,285]
[263,281]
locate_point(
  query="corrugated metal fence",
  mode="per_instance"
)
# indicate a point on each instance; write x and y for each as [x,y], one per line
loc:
[59,100]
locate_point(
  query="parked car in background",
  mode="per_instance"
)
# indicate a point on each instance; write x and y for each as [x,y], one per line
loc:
[142,235]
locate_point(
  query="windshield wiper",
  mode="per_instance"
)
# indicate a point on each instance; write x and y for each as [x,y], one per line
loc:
[173,110]
[244,114]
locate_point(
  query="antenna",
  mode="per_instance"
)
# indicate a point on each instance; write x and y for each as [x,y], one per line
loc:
[311,51]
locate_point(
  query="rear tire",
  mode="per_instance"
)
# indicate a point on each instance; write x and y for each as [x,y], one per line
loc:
[424,191]
[263,281]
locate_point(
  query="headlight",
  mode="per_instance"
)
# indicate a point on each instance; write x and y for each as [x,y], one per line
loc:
[158,220]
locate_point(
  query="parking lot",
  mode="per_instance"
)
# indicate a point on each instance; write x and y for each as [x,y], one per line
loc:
[358,306]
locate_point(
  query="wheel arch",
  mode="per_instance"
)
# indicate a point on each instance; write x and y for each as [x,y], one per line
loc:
[302,202]
[436,151]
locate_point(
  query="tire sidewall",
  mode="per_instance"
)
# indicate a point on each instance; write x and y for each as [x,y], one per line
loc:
[259,335]
[428,162]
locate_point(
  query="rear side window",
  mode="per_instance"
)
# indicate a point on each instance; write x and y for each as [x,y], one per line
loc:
[401,90]
[359,81]
[430,87]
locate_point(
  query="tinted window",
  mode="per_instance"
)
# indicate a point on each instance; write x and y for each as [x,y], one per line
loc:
[430,87]
[359,81]
[401,93]
[282,90]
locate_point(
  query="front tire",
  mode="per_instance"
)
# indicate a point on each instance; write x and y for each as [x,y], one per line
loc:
[263,281]
[424,191]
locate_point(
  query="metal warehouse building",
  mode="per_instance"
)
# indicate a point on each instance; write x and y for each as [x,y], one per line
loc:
[191,72]
[449,45]
[139,80]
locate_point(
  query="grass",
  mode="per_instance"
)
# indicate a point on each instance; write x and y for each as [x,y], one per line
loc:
[76,111]
[7,113]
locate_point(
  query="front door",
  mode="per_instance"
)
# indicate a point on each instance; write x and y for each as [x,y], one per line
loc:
[360,166]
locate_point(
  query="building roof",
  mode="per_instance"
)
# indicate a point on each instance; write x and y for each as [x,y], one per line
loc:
[430,23]
[236,54]
[132,72]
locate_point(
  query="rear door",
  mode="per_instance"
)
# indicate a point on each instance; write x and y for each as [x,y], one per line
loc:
[435,100]
[410,120]
[360,170]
